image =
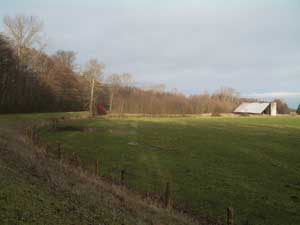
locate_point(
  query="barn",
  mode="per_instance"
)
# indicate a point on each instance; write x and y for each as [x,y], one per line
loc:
[257,108]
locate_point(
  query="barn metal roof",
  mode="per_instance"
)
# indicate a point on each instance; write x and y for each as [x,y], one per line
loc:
[253,107]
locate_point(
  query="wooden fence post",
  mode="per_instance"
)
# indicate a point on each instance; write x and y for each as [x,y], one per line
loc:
[74,160]
[54,123]
[47,149]
[230,215]
[33,138]
[31,134]
[167,196]
[122,177]
[59,155]
[36,139]
[97,167]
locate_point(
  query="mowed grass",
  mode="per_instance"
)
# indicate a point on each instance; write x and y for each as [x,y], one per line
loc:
[250,164]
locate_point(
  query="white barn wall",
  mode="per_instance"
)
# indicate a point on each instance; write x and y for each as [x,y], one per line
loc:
[273,109]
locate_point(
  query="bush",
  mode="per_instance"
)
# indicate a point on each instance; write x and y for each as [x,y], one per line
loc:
[282,107]
[216,114]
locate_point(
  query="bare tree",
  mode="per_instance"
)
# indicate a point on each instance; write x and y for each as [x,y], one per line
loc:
[24,32]
[127,80]
[282,107]
[93,73]
[114,84]
[66,58]
[157,88]
[226,94]
[127,84]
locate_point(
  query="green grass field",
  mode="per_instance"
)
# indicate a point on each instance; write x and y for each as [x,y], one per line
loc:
[36,188]
[251,164]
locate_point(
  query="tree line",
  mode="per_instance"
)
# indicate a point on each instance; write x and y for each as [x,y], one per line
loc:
[33,81]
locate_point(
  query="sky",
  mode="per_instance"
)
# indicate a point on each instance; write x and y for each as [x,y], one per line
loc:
[194,46]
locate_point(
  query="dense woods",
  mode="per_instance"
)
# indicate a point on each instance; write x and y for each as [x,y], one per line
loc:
[33,81]
[42,85]
[21,90]
[155,100]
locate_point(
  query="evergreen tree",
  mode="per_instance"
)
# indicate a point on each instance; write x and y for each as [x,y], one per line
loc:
[298,110]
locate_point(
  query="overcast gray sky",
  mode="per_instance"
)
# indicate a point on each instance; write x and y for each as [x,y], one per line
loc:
[250,45]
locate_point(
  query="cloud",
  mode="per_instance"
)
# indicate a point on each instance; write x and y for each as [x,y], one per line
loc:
[292,98]
[274,95]
[193,45]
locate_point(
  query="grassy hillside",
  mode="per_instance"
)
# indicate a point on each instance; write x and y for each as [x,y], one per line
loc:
[251,164]
[37,189]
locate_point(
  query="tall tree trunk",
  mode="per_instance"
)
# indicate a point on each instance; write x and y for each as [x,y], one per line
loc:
[111,101]
[92,98]
[122,105]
